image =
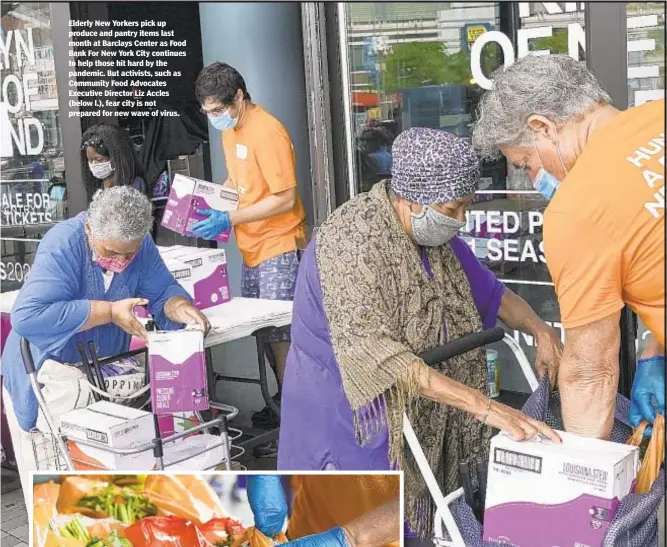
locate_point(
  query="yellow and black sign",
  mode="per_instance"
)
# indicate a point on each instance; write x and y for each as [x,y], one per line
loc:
[473,32]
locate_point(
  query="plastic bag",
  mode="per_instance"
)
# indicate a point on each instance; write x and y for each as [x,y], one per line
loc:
[187,496]
[254,538]
[162,532]
[655,454]
[44,499]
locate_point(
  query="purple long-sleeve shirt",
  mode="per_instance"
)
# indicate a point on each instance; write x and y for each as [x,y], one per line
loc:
[317,427]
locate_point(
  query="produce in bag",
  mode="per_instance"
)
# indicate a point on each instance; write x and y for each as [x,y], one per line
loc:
[254,538]
[75,533]
[654,456]
[99,499]
[187,496]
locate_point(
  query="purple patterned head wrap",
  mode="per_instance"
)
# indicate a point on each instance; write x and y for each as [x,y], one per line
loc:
[433,166]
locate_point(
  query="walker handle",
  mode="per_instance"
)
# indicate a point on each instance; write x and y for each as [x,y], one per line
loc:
[26,354]
[462,345]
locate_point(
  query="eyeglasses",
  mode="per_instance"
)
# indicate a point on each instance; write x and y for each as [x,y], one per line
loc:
[214,111]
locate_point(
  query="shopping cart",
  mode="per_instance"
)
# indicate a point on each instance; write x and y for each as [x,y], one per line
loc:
[455,523]
[50,448]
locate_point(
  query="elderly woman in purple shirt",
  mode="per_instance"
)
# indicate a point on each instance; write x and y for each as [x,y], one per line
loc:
[384,279]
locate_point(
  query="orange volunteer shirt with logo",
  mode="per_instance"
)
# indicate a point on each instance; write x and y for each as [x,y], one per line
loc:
[604,229]
[261,162]
[322,502]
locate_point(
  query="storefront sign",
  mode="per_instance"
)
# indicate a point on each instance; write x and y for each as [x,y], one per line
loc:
[25,132]
[22,209]
[471,32]
[576,40]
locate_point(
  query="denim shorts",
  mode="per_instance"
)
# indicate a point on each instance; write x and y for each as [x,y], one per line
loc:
[273,279]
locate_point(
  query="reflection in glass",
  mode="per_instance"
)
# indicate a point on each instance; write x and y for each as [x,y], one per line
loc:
[32,162]
[646,51]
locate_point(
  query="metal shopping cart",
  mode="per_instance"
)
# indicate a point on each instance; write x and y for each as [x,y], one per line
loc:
[50,447]
[455,523]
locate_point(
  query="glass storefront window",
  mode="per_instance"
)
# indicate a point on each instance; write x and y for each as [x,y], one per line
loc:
[410,66]
[646,51]
[32,168]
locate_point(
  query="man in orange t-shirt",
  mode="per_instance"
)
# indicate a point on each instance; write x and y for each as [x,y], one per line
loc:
[270,221]
[603,171]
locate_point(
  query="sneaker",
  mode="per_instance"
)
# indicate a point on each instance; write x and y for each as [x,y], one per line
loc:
[268,450]
[266,418]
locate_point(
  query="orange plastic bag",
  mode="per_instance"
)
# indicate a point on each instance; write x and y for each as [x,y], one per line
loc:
[254,538]
[187,496]
[44,498]
[655,453]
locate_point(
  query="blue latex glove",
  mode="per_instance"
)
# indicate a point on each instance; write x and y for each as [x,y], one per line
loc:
[333,538]
[268,504]
[649,383]
[216,223]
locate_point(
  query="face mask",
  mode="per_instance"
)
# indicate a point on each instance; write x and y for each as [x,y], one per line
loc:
[101,170]
[114,265]
[224,121]
[545,183]
[433,229]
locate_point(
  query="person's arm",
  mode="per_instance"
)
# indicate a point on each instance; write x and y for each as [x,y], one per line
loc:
[378,527]
[271,206]
[49,308]
[516,313]
[442,389]
[586,266]
[589,377]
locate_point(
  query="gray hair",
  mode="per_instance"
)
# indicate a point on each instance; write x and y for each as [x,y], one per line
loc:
[119,213]
[555,86]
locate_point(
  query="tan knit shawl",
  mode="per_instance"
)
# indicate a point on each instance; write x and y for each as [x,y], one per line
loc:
[383,310]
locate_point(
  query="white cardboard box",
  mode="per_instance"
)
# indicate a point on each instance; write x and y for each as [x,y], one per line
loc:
[543,494]
[209,281]
[114,425]
[188,195]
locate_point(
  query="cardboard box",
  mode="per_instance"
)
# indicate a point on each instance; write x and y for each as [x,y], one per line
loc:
[188,195]
[177,365]
[209,281]
[182,273]
[194,453]
[114,425]
[542,494]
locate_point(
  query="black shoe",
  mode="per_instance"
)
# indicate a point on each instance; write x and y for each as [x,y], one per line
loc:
[266,418]
[268,450]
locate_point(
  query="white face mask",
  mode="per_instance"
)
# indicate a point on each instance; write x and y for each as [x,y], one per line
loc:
[101,170]
[433,229]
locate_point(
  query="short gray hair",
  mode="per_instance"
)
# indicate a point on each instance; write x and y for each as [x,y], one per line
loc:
[555,86]
[119,213]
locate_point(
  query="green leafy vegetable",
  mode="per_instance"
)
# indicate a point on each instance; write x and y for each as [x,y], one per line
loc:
[74,529]
[114,540]
[126,506]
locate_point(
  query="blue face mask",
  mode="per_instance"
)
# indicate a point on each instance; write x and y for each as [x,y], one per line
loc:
[546,184]
[224,121]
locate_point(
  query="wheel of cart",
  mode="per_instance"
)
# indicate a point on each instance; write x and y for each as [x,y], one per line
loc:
[636,521]
[50,449]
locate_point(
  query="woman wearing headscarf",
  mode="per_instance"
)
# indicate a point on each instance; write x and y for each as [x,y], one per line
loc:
[384,279]
[88,275]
